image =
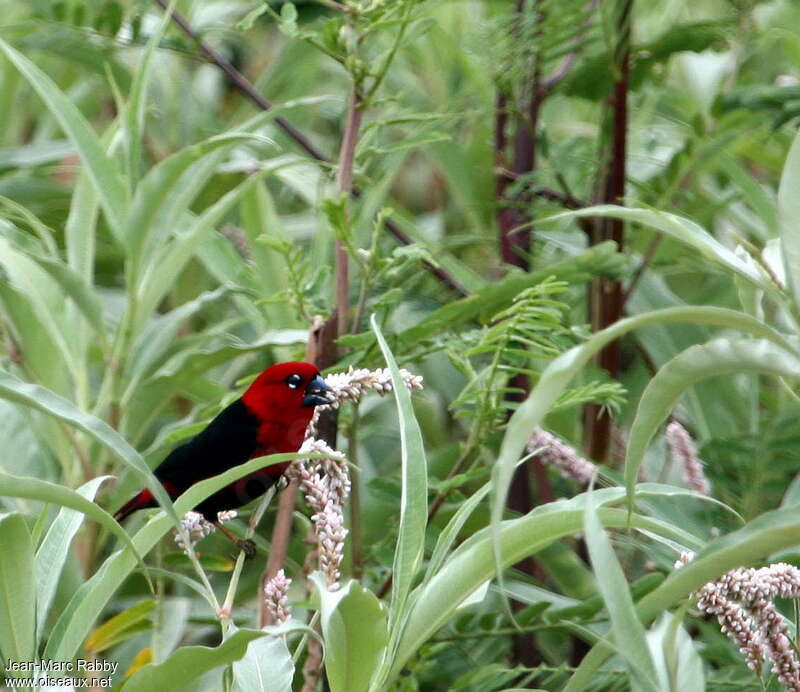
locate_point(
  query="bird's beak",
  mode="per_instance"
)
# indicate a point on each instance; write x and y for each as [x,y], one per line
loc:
[317,393]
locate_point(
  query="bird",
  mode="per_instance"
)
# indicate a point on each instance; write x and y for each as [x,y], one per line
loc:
[269,418]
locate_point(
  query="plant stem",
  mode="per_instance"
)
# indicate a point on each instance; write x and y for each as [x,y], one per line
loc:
[390,56]
[255,520]
[280,544]
[344,183]
[247,89]
[321,351]
[607,298]
[356,534]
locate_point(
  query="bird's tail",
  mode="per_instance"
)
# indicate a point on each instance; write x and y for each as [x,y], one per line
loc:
[139,501]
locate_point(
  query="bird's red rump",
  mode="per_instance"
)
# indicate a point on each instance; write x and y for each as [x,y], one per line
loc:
[141,500]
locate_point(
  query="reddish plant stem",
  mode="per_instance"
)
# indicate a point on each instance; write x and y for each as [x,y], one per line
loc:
[240,82]
[281,533]
[607,297]
[321,351]
[344,183]
[515,230]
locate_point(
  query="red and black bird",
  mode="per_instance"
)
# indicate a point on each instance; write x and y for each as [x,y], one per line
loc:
[269,418]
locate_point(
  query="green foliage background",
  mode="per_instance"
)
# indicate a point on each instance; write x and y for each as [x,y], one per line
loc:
[162,241]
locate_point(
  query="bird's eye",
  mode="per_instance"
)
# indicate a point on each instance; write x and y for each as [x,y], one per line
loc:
[294,381]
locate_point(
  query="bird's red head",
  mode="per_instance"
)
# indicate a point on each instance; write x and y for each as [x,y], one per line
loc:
[287,393]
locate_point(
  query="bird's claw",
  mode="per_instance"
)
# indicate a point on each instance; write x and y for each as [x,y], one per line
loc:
[248,547]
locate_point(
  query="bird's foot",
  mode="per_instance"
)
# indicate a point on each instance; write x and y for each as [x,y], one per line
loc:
[248,547]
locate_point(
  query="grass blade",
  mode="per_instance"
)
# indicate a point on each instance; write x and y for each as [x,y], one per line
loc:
[52,553]
[718,357]
[17,591]
[561,371]
[44,400]
[789,218]
[100,167]
[413,501]
[627,631]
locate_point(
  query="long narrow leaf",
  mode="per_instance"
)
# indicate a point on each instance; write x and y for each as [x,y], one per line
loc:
[770,533]
[789,217]
[718,357]
[413,500]
[560,372]
[17,591]
[47,402]
[473,563]
[93,596]
[626,629]
[52,553]
[101,168]
[682,229]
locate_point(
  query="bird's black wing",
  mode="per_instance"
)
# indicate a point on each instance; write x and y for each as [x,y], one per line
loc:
[228,440]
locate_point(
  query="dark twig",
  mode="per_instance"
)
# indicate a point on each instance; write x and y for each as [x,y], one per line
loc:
[607,299]
[647,258]
[240,82]
[567,63]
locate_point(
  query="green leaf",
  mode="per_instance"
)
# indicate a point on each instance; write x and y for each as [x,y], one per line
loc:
[28,277]
[161,333]
[679,664]
[260,218]
[44,491]
[473,563]
[682,229]
[159,275]
[789,217]
[770,533]
[450,532]
[266,667]
[137,98]
[43,359]
[355,632]
[17,591]
[413,499]
[52,553]
[249,19]
[93,596]
[792,495]
[44,400]
[100,167]
[189,663]
[80,227]
[626,630]
[84,296]
[166,192]
[718,357]
[560,372]
[117,628]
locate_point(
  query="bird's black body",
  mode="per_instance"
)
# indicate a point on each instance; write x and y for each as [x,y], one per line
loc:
[229,440]
[270,417]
